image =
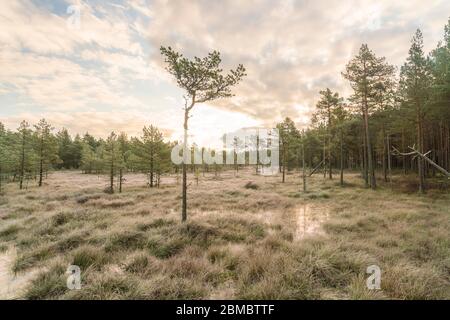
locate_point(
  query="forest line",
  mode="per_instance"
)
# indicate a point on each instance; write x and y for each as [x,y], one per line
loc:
[387,110]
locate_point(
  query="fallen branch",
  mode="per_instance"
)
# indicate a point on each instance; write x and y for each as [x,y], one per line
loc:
[316,168]
[424,156]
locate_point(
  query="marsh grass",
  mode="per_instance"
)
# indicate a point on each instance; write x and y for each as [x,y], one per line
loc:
[238,242]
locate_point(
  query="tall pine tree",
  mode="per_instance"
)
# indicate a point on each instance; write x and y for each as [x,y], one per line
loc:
[415,82]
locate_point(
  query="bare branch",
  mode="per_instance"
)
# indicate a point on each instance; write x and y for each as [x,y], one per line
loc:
[416,154]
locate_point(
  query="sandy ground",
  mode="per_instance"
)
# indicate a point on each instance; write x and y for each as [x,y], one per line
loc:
[12,285]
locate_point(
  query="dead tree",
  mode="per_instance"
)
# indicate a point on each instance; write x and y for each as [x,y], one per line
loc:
[316,168]
[423,156]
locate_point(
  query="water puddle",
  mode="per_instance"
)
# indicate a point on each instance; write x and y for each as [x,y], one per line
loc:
[11,285]
[309,220]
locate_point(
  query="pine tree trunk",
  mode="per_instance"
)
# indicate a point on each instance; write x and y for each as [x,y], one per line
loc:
[112,173]
[324,159]
[257,152]
[330,172]
[184,187]
[41,162]
[120,179]
[442,146]
[403,148]
[22,163]
[383,131]
[304,168]
[151,169]
[284,163]
[41,173]
[366,172]
[419,160]
[389,159]
[361,161]
[447,148]
[371,169]
[433,155]
[342,159]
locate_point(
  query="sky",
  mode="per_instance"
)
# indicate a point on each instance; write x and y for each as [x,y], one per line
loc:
[103,72]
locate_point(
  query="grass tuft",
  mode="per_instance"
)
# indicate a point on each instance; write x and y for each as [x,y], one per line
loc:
[251,185]
[49,284]
[9,233]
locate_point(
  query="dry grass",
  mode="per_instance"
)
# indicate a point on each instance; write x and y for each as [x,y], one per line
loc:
[241,240]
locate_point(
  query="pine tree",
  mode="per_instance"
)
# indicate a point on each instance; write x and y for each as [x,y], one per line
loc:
[9,154]
[341,119]
[149,150]
[87,158]
[111,158]
[365,72]
[124,154]
[203,81]
[289,140]
[24,151]
[328,103]
[440,96]
[415,81]
[64,149]
[46,147]
[91,141]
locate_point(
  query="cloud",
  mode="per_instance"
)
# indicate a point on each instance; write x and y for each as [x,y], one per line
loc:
[59,68]
[291,49]
[99,124]
[109,73]
[60,84]
[124,66]
[27,26]
[141,6]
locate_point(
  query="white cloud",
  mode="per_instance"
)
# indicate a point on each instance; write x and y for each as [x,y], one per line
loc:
[140,68]
[291,49]
[60,84]
[40,58]
[25,26]
[141,6]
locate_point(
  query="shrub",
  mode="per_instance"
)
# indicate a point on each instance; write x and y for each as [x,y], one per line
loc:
[86,198]
[251,185]
[61,218]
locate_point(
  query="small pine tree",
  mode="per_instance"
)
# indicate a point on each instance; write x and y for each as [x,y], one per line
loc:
[111,159]
[46,147]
